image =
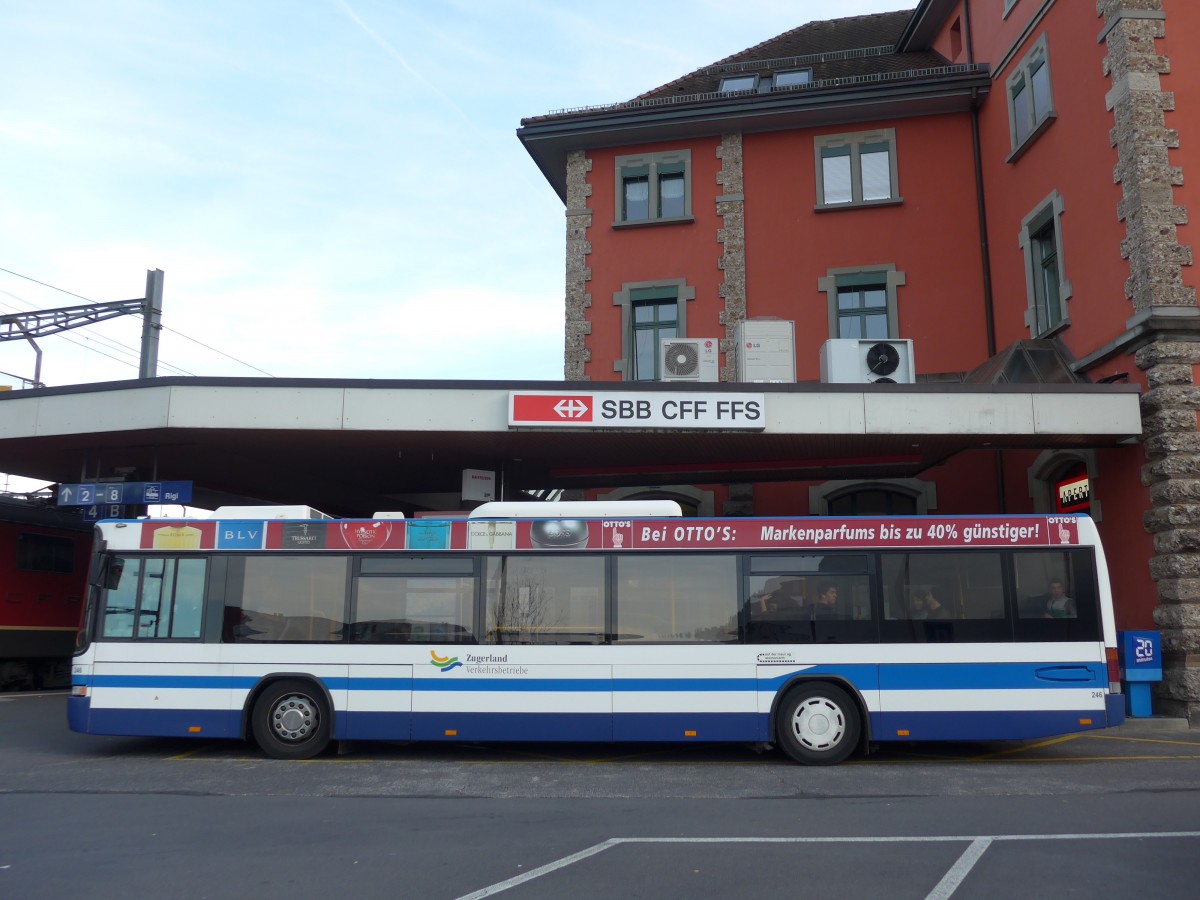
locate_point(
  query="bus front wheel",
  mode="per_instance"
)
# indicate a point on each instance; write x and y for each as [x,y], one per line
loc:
[291,720]
[818,724]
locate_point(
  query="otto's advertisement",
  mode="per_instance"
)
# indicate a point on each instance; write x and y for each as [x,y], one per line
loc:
[610,534]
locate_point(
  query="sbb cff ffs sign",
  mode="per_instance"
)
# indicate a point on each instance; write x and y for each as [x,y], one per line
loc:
[637,409]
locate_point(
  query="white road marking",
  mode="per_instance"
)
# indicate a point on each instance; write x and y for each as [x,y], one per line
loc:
[952,879]
[977,844]
[543,870]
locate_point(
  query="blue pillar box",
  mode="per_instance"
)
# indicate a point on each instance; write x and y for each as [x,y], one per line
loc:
[1141,664]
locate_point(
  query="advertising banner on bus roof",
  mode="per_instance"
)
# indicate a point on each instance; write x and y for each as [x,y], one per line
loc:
[610,534]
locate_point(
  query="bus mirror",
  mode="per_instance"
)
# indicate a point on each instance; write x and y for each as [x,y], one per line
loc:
[112,573]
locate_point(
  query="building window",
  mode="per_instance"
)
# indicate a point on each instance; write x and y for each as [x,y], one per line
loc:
[856,169]
[1065,480]
[1045,277]
[733,83]
[1030,100]
[655,316]
[862,310]
[653,187]
[1046,284]
[873,502]
[794,77]
[650,311]
[901,496]
[862,301]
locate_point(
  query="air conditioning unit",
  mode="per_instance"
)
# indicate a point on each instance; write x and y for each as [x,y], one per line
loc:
[850,361]
[766,350]
[689,359]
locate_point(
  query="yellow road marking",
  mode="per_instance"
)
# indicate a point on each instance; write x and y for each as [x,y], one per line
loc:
[1014,750]
[1139,740]
[187,754]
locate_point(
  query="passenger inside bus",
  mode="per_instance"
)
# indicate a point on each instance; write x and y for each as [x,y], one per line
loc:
[778,596]
[923,605]
[1058,604]
[826,604]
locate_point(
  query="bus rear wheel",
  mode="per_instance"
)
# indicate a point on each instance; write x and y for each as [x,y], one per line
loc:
[291,720]
[818,724]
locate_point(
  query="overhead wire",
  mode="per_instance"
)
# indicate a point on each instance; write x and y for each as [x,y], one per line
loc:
[125,348]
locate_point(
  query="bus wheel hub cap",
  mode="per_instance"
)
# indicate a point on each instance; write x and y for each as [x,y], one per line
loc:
[294,718]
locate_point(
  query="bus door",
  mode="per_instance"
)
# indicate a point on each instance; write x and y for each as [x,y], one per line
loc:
[678,670]
[151,672]
[410,616]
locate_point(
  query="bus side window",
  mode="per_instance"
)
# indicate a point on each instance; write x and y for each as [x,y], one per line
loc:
[676,598]
[287,598]
[803,599]
[545,600]
[937,596]
[397,609]
[1057,595]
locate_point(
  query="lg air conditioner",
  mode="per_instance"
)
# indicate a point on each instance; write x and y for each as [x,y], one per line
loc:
[689,359]
[851,361]
[766,350]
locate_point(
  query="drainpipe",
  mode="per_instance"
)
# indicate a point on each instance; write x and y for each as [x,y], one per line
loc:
[989,308]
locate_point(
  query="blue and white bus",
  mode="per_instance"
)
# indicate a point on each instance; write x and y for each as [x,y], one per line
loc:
[820,635]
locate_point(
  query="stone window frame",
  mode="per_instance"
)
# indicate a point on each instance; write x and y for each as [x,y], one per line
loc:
[1048,467]
[653,165]
[1008,7]
[1038,57]
[854,141]
[704,501]
[892,278]
[624,299]
[1048,210]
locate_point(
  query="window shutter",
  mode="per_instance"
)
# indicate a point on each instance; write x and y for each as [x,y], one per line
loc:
[876,172]
[835,174]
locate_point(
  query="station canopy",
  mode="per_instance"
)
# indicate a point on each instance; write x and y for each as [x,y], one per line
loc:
[354,447]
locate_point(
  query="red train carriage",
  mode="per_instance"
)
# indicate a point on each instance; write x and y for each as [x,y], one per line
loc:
[43,578]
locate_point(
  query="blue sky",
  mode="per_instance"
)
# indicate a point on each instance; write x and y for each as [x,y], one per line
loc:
[333,188]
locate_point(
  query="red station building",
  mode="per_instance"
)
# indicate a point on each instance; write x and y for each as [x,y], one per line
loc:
[962,196]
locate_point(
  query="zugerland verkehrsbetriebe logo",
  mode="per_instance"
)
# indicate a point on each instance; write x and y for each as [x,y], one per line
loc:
[445,663]
[477,664]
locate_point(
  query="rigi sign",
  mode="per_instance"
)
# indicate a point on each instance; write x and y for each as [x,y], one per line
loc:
[637,409]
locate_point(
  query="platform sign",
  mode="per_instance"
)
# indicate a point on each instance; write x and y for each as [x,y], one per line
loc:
[76,494]
[164,492]
[98,511]
[125,493]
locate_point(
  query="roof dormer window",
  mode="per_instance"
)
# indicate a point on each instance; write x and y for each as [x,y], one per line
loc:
[731,83]
[793,77]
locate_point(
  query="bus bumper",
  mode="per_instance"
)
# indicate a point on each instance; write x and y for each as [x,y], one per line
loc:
[1114,708]
[79,710]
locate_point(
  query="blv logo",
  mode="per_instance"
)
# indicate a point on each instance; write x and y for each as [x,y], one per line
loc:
[1143,650]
